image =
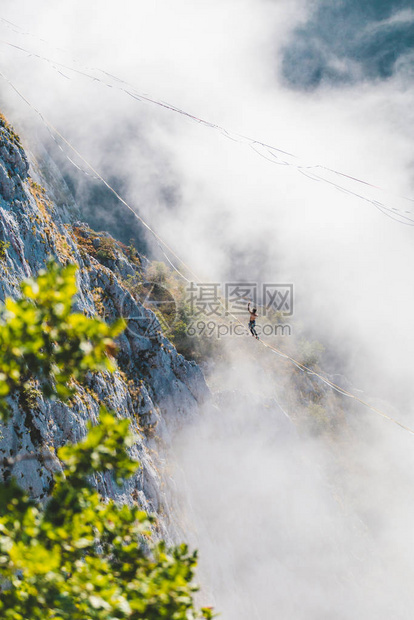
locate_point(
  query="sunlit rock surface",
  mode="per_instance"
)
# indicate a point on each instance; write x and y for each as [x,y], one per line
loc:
[155,387]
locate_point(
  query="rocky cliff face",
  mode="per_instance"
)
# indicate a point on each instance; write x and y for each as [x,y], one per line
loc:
[155,387]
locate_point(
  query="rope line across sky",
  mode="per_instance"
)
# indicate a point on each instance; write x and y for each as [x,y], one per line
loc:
[271,153]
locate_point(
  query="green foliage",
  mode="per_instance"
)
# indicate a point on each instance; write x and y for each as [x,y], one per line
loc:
[4,246]
[41,338]
[77,557]
[158,272]
[310,352]
[13,137]
[198,347]
[318,420]
[101,246]
[102,450]
[106,249]
[84,242]
[29,396]
[131,253]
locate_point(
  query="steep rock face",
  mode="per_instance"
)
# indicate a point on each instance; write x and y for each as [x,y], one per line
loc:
[156,388]
[13,164]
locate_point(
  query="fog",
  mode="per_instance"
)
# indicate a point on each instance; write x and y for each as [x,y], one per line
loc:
[274,538]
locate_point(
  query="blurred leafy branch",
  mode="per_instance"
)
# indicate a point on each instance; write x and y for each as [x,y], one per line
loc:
[76,556]
[42,338]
